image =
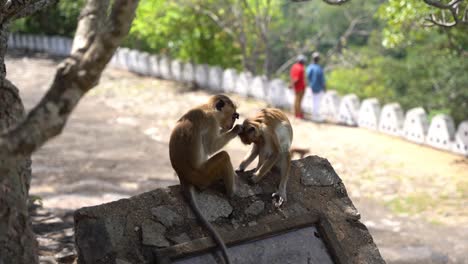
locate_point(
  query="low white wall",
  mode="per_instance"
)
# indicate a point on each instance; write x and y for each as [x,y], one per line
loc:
[348,110]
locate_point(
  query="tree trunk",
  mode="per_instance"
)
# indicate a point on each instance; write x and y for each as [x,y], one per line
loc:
[17,241]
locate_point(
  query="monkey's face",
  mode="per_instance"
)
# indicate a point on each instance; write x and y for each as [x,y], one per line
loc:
[250,132]
[227,117]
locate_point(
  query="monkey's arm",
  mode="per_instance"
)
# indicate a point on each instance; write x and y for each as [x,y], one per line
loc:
[269,161]
[249,158]
[222,139]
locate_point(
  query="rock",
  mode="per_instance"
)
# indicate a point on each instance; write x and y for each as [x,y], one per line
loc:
[167,216]
[316,171]
[213,206]
[182,238]
[153,234]
[245,190]
[120,261]
[255,208]
[253,223]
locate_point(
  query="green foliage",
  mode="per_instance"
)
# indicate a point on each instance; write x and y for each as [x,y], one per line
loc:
[388,53]
[59,19]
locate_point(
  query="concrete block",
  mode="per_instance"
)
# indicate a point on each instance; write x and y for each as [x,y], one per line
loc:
[201,75]
[349,110]
[154,66]
[307,102]
[133,61]
[391,119]
[229,80]
[369,113]
[243,83]
[144,65]
[460,145]
[188,75]
[415,125]
[330,106]
[177,70]
[215,78]
[277,95]
[259,87]
[165,68]
[121,58]
[441,132]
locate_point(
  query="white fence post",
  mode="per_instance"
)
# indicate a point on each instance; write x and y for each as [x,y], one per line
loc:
[215,78]
[201,75]
[242,86]
[441,132]
[229,80]
[176,69]
[460,145]
[259,87]
[165,68]
[415,125]
[330,106]
[277,96]
[391,119]
[369,113]
[188,75]
[349,110]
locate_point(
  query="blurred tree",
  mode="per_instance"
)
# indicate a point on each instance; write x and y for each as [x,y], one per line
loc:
[59,18]
[99,35]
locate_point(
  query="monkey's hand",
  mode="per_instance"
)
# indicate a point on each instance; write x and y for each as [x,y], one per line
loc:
[236,129]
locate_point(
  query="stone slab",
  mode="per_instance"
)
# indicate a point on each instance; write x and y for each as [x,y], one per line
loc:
[130,230]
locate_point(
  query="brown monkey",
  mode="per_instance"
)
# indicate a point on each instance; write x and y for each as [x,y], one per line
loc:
[271,133]
[199,133]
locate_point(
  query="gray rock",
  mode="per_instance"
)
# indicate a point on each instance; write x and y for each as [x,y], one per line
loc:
[167,216]
[255,208]
[253,223]
[153,234]
[182,238]
[245,190]
[316,173]
[413,255]
[213,206]
[120,261]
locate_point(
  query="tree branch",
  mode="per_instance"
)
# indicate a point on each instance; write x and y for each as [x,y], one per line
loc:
[74,77]
[18,9]
[454,8]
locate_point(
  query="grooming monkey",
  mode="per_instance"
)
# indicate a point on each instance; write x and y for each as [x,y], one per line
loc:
[198,134]
[271,133]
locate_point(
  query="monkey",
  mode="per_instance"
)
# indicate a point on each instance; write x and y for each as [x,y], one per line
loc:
[271,134]
[198,134]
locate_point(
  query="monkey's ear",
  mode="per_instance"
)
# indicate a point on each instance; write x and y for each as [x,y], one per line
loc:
[219,105]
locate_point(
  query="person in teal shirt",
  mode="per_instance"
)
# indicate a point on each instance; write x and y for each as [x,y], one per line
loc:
[316,81]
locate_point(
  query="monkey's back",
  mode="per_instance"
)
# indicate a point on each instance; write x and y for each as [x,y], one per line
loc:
[278,123]
[185,142]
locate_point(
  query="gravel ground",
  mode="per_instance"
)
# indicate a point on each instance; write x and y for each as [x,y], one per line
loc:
[412,198]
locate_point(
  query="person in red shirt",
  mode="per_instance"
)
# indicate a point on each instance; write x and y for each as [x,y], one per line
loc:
[298,83]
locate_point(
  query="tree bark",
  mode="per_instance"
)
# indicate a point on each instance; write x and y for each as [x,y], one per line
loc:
[17,241]
[98,36]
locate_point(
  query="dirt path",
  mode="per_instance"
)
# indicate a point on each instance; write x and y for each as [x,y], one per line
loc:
[412,198]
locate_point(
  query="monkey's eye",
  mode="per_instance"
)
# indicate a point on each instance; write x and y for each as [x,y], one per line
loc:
[250,130]
[235,116]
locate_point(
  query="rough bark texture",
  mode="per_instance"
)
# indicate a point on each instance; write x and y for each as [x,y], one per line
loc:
[17,241]
[75,76]
[98,36]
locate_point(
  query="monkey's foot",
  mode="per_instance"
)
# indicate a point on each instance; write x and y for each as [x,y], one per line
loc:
[278,200]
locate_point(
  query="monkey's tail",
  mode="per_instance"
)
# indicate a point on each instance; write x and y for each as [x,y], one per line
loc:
[301,151]
[207,224]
